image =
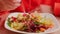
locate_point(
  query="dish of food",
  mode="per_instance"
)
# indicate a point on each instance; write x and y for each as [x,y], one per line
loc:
[32,23]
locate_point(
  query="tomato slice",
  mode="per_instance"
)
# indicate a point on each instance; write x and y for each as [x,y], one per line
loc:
[14,19]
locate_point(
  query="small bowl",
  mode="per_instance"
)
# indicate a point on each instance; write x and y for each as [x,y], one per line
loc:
[47,15]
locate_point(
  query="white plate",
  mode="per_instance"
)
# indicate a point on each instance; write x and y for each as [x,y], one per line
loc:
[55,21]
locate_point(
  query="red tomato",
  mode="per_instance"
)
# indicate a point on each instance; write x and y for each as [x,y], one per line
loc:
[14,19]
[57,9]
[24,14]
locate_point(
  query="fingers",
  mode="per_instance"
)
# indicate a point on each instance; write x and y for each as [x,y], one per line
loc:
[14,2]
[2,5]
[9,4]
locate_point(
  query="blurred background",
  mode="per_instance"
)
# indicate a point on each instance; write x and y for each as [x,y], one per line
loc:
[42,6]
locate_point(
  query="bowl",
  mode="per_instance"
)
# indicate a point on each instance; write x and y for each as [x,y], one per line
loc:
[47,15]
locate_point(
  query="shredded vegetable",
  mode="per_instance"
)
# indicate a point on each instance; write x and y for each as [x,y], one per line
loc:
[30,23]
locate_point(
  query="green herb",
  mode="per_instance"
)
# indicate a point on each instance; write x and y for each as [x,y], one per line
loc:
[37,23]
[9,23]
[38,31]
[24,28]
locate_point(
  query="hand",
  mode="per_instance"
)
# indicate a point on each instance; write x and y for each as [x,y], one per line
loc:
[9,4]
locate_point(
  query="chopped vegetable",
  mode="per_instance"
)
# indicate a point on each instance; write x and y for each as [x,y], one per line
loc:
[9,23]
[42,29]
[30,22]
[17,25]
[38,31]
[37,23]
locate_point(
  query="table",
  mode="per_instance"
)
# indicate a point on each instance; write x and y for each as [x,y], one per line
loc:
[5,31]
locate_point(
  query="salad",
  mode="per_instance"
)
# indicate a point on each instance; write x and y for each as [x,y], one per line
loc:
[30,23]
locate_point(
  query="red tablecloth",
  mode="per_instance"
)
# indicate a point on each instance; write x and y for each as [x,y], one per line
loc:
[32,4]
